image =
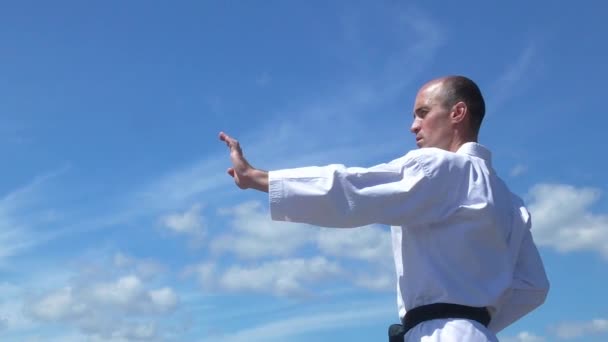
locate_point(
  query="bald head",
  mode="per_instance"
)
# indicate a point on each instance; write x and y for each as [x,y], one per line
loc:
[454,89]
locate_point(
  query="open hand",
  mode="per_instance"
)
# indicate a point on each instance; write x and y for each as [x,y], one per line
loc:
[245,176]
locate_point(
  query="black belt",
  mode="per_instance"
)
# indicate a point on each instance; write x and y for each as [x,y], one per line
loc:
[436,311]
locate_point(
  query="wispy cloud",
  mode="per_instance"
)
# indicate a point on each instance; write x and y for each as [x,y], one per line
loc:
[570,330]
[334,117]
[283,329]
[22,210]
[518,170]
[509,83]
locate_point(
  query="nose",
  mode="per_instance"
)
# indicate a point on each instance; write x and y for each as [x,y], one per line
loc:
[415,128]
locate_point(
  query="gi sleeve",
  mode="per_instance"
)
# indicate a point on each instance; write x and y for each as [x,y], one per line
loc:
[529,287]
[394,193]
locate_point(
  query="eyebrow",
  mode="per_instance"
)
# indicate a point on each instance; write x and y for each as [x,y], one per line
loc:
[420,110]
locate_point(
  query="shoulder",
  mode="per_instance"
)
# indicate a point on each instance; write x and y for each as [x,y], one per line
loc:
[436,161]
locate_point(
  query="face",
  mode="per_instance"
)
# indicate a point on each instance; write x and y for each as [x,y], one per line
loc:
[432,125]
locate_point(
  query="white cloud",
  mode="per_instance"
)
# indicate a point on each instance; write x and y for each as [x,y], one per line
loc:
[143,268]
[128,293]
[371,243]
[570,330]
[508,84]
[340,108]
[205,273]
[286,277]
[283,329]
[188,223]
[13,299]
[518,170]
[562,218]
[121,260]
[524,336]
[178,187]
[138,331]
[370,246]
[283,277]
[119,309]
[255,235]
[57,305]
[122,292]
[163,299]
[21,210]
[383,280]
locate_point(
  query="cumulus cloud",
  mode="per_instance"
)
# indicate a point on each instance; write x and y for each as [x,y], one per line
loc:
[383,280]
[143,268]
[254,235]
[57,305]
[128,293]
[118,309]
[570,330]
[371,244]
[562,218]
[287,277]
[12,317]
[188,223]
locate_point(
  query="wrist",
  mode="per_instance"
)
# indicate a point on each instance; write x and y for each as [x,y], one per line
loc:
[258,179]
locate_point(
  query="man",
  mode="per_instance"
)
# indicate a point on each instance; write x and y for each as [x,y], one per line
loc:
[466,263]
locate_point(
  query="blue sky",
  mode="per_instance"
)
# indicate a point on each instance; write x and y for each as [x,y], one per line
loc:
[118,222]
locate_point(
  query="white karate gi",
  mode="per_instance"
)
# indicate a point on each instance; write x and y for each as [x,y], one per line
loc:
[459,235]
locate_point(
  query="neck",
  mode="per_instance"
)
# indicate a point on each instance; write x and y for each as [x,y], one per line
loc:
[460,140]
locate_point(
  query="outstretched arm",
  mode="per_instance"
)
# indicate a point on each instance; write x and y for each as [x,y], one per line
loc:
[245,176]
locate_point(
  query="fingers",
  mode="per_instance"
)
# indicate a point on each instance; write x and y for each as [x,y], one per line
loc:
[238,161]
[227,139]
[223,136]
[232,143]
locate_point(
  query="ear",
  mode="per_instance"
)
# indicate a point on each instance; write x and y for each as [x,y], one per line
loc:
[459,112]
